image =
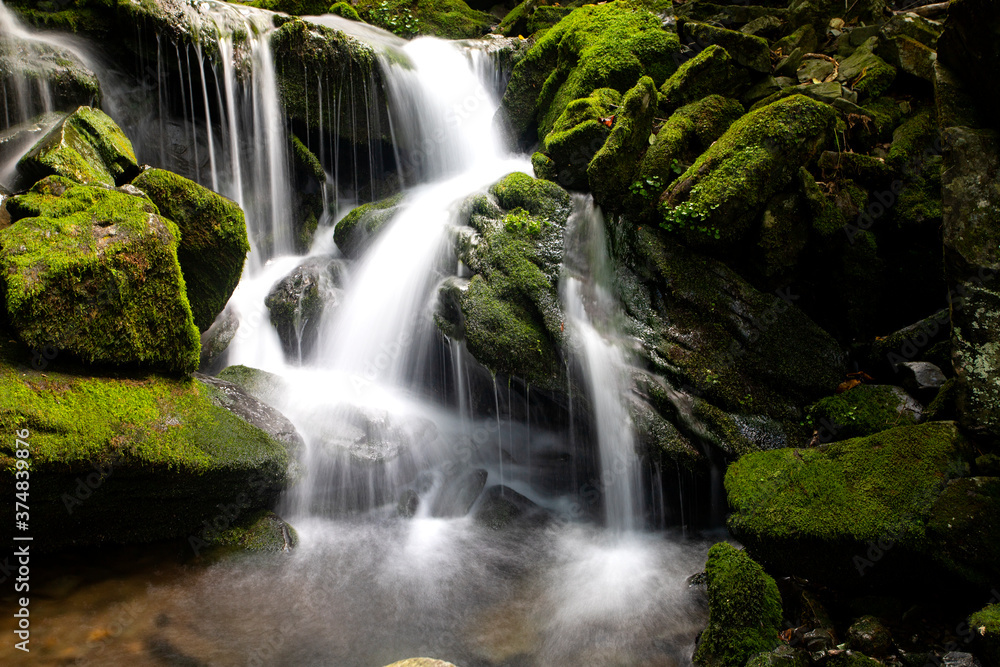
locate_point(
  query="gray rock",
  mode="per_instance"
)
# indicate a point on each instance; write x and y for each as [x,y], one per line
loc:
[502,507]
[296,304]
[921,379]
[959,659]
[869,636]
[254,412]
[216,339]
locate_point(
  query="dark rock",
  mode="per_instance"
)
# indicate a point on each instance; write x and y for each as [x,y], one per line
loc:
[921,379]
[501,507]
[296,304]
[869,636]
[216,339]
[254,412]
[458,493]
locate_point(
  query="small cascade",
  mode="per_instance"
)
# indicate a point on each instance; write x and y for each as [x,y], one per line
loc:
[592,310]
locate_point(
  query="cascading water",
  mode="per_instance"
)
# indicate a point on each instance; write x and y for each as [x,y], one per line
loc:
[367,586]
[590,304]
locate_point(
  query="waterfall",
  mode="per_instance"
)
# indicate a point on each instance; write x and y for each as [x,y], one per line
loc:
[592,311]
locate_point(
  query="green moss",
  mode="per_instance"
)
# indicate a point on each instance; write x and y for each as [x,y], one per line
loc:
[545,17]
[865,72]
[596,46]
[538,197]
[914,140]
[516,20]
[87,147]
[450,19]
[792,504]
[964,529]
[687,133]
[728,187]
[344,9]
[213,242]
[356,231]
[95,272]
[292,7]
[578,134]
[744,609]
[307,160]
[748,51]
[262,531]
[614,166]
[168,453]
[864,410]
[986,624]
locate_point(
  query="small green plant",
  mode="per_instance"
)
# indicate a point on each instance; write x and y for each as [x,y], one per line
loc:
[677,167]
[688,216]
[397,20]
[647,188]
[520,220]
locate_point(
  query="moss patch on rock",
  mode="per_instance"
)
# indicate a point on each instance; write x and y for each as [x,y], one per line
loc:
[864,410]
[450,19]
[155,456]
[578,134]
[95,272]
[595,46]
[710,72]
[213,243]
[87,147]
[357,230]
[744,609]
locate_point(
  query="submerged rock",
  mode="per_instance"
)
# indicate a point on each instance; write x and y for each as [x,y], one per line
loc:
[134,458]
[296,304]
[95,272]
[357,230]
[502,507]
[87,147]
[262,531]
[213,243]
[744,609]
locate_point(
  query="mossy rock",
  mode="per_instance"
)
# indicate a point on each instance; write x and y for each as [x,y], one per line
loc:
[783,656]
[578,134]
[262,531]
[985,623]
[710,72]
[969,47]
[213,243]
[449,19]
[265,387]
[293,7]
[720,198]
[509,312]
[686,134]
[817,512]
[309,179]
[746,50]
[864,410]
[595,46]
[95,272]
[303,52]
[964,528]
[865,72]
[357,230]
[614,166]
[744,609]
[87,147]
[515,22]
[296,304]
[345,10]
[818,13]
[130,458]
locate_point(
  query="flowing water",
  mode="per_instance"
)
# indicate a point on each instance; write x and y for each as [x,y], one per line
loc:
[394,560]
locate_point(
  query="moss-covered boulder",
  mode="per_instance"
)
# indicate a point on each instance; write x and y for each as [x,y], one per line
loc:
[262,531]
[213,243]
[596,46]
[864,410]
[309,179]
[531,16]
[131,458]
[87,147]
[837,511]
[450,19]
[972,263]
[720,198]
[615,165]
[357,230]
[744,609]
[964,528]
[985,623]
[687,134]
[580,131]
[865,72]
[509,313]
[746,50]
[710,72]
[94,272]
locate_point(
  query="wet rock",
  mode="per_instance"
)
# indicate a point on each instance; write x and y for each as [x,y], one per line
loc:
[296,304]
[744,609]
[260,531]
[213,244]
[869,636]
[502,507]
[783,656]
[308,179]
[921,379]
[95,272]
[216,339]
[818,640]
[746,50]
[959,659]
[458,493]
[87,147]
[263,386]
[710,72]
[578,134]
[27,67]
[910,56]
[254,412]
